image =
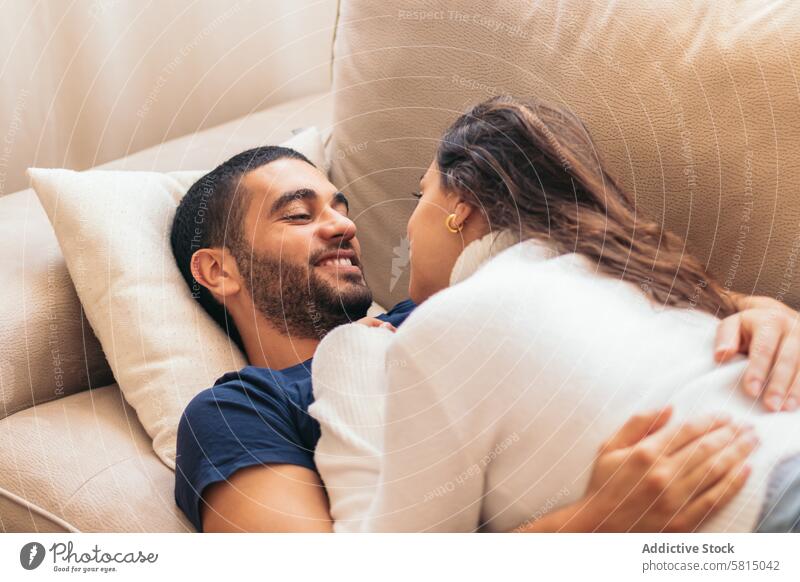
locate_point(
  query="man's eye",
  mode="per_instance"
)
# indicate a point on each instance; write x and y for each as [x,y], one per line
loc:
[298,217]
[417,195]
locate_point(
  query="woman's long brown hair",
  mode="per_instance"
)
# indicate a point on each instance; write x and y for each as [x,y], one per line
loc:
[532,167]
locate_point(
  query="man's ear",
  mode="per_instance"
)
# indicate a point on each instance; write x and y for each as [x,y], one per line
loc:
[216,270]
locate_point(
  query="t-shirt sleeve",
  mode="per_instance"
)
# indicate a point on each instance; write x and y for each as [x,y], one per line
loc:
[227,428]
[398,314]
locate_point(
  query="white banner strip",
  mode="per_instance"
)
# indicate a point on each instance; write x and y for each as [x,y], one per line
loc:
[406,558]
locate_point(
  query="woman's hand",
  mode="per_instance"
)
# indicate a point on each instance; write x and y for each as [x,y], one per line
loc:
[375,322]
[769,332]
[654,479]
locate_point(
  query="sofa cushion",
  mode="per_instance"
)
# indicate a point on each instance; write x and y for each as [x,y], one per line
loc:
[113,227]
[84,463]
[47,348]
[693,105]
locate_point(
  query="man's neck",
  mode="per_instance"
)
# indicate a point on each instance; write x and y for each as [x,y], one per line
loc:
[268,347]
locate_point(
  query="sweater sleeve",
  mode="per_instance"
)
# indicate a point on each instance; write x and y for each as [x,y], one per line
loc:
[349,384]
[428,481]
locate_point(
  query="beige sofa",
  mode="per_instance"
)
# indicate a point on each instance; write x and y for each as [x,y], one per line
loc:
[694,107]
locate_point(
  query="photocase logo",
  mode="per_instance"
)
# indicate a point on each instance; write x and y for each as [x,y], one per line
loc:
[31,555]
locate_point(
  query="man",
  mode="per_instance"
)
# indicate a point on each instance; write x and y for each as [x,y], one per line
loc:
[266,245]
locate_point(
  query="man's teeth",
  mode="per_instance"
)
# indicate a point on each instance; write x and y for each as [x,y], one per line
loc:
[340,262]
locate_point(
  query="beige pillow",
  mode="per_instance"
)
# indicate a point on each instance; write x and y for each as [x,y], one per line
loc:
[113,228]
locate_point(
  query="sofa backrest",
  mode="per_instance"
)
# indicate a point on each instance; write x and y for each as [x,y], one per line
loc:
[695,107]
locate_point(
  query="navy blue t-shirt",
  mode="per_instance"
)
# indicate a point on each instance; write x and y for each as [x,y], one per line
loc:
[251,417]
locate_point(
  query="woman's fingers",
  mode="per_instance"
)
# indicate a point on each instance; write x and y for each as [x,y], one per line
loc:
[636,428]
[763,348]
[769,332]
[784,372]
[712,500]
[669,441]
[793,395]
[713,467]
[729,338]
[375,322]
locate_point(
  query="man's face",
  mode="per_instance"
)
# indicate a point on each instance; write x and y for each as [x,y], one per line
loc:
[300,258]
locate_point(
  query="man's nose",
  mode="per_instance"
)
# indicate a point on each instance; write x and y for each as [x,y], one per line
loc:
[335,225]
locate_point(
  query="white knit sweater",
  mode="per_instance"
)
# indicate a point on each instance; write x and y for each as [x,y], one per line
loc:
[487,407]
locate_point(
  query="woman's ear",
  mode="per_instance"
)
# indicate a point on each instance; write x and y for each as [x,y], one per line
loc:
[463,210]
[471,219]
[215,269]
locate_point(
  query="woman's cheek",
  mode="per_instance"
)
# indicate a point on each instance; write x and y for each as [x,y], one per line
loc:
[419,268]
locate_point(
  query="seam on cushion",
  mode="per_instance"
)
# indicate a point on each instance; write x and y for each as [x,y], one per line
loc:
[333,41]
[92,478]
[32,507]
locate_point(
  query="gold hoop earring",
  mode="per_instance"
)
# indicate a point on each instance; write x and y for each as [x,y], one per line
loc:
[450,224]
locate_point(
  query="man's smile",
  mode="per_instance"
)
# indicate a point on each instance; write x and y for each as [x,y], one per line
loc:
[343,261]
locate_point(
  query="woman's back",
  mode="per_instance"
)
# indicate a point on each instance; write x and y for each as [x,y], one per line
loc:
[532,364]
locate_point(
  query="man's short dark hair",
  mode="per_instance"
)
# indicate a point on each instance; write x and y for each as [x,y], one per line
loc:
[211,214]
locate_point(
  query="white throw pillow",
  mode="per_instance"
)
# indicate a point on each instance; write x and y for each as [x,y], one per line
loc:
[113,228]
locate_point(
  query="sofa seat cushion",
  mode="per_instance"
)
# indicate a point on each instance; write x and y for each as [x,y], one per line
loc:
[84,462]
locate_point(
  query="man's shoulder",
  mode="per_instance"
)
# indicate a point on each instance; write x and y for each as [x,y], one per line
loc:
[253,388]
[255,377]
[249,417]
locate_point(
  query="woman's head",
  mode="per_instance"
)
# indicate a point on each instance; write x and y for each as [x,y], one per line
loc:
[530,167]
[442,224]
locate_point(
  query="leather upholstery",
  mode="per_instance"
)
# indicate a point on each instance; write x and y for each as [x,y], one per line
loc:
[83,460]
[47,349]
[694,106]
[86,460]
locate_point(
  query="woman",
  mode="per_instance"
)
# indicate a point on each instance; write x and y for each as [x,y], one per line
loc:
[550,311]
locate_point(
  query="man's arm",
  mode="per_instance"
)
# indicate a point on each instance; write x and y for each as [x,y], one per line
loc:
[245,463]
[653,478]
[267,498]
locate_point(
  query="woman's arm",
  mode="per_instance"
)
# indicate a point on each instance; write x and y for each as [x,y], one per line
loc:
[349,383]
[429,480]
[642,481]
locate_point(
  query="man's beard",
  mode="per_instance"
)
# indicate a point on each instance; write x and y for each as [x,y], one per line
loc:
[296,300]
